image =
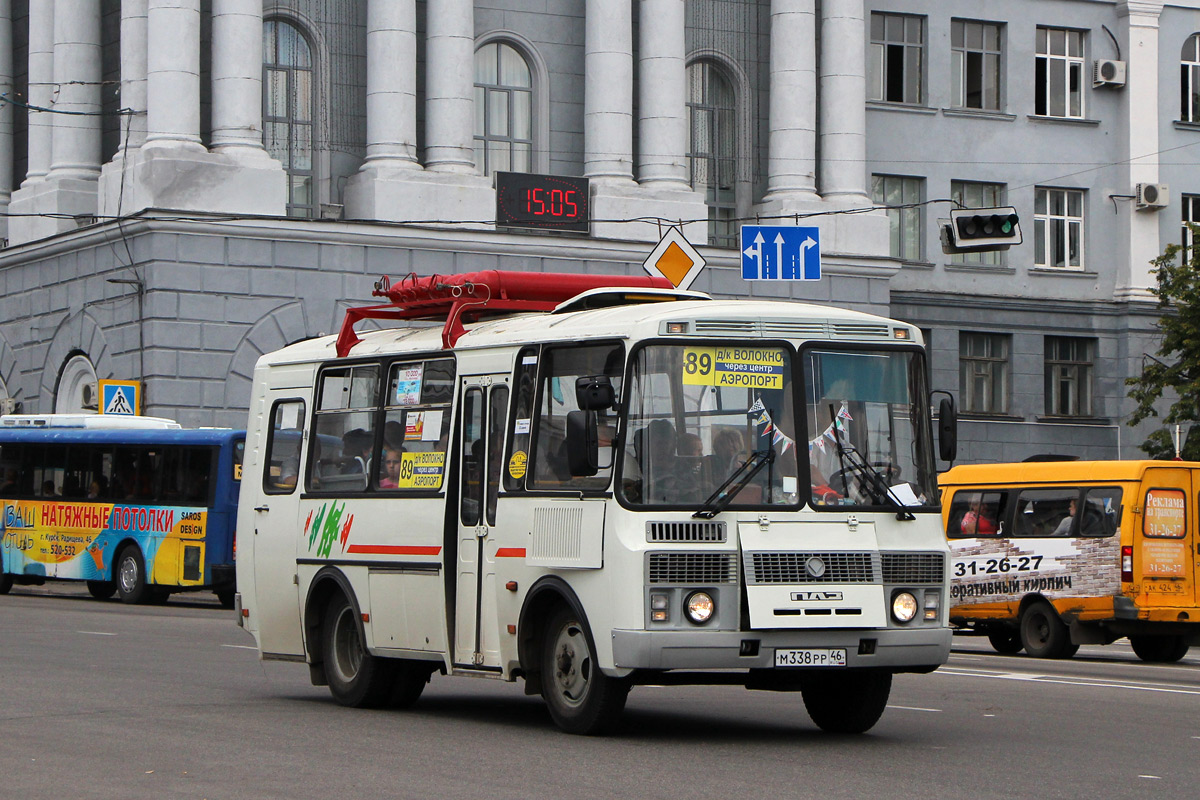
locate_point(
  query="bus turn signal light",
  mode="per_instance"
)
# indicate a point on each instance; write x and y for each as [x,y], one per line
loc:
[1127,563]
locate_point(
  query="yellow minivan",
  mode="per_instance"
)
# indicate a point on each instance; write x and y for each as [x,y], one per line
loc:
[1050,555]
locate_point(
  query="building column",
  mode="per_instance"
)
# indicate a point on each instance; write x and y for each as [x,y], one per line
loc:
[608,90]
[133,74]
[1139,143]
[392,84]
[6,114]
[41,82]
[51,204]
[662,84]
[450,86]
[173,74]
[792,138]
[237,66]
[843,100]
[391,184]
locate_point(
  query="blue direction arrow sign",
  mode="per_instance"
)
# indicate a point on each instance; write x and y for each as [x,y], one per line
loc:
[781,253]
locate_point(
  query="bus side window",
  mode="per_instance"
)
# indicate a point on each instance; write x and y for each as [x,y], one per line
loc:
[281,467]
[1101,512]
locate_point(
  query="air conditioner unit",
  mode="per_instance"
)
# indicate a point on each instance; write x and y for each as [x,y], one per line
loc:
[1106,72]
[90,396]
[1151,196]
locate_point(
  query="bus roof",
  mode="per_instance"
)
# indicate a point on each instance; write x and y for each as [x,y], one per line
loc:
[1053,472]
[105,421]
[178,436]
[721,319]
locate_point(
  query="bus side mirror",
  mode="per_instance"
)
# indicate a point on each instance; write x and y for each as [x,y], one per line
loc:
[583,443]
[947,428]
[595,393]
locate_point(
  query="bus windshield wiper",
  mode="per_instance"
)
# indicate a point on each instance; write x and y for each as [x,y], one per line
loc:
[741,476]
[873,483]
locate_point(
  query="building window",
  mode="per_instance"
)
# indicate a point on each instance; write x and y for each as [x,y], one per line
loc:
[712,148]
[1059,73]
[1058,228]
[288,102]
[1189,79]
[897,58]
[984,369]
[975,64]
[902,196]
[971,194]
[1191,216]
[503,110]
[1070,363]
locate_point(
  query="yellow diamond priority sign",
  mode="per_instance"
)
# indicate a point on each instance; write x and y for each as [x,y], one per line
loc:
[675,259]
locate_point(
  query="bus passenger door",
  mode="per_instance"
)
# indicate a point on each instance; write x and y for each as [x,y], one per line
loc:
[1168,538]
[481,438]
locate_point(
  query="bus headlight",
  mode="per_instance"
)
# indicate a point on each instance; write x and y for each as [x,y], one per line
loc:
[700,607]
[904,607]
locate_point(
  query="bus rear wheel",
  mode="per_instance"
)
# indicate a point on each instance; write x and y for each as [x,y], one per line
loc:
[1159,649]
[846,702]
[131,576]
[101,590]
[580,697]
[1043,634]
[5,583]
[356,678]
[1007,642]
[225,597]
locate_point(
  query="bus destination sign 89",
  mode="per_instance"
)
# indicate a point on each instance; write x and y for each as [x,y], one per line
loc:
[551,202]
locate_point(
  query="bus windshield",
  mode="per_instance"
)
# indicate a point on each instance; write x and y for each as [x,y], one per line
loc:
[867,428]
[697,413]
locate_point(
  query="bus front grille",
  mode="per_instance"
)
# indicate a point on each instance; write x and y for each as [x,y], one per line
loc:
[692,568]
[910,568]
[811,568]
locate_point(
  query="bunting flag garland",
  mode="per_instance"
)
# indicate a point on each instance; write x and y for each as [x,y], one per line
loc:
[757,407]
[834,430]
[778,437]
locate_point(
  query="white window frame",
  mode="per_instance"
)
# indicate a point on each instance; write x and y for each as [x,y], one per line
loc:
[984,370]
[1191,213]
[979,194]
[912,51]
[487,133]
[1189,89]
[1052,230]
[989,61]
[722,200]
[1069,64]
[905,215]
[1074,374]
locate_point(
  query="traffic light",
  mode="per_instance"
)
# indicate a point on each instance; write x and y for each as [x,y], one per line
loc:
[981,229]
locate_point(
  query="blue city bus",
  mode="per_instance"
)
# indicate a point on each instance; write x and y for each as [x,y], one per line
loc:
[139,512]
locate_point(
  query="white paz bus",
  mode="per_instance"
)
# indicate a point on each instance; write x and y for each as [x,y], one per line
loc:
[595,482]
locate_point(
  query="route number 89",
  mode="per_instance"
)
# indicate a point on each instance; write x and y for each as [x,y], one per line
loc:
[697,363]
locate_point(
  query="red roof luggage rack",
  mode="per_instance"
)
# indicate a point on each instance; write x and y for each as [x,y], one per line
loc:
[467,297]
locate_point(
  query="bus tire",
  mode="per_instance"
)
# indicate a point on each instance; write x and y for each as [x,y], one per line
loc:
[845,702]
[1043,634]
[131,576]
[580,697]
[1159,649]
[408,683]
[356,678]
[225,597]
[1006,641]
[5,583]
[102,590]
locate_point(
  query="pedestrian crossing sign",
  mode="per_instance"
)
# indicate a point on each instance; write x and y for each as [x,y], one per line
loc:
[121,398]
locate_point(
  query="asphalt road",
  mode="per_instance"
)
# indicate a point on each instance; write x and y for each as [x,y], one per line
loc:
[102,700]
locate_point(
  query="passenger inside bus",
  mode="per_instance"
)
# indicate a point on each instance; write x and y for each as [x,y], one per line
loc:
[1064,526]
[980,519]
[392,458]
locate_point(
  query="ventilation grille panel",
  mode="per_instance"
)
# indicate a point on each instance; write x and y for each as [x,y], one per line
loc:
[910,568]
[685,531]
[692,568]
[861,330]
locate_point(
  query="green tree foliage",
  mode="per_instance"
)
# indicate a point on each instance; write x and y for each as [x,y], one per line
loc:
[1176,366]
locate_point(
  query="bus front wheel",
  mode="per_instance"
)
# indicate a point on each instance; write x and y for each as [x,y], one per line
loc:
[581,698]
[1043,634]
[5,583]
[1159,649]
[131,576]
[846,702]
[101,590]
[356,678]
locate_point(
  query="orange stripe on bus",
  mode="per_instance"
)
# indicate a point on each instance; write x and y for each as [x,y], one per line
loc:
[393,550]
[510,552]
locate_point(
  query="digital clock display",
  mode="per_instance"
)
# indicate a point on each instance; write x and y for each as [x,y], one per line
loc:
[552,202]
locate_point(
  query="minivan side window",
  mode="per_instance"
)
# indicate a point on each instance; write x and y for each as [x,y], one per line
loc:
[281,467]
[976,513]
